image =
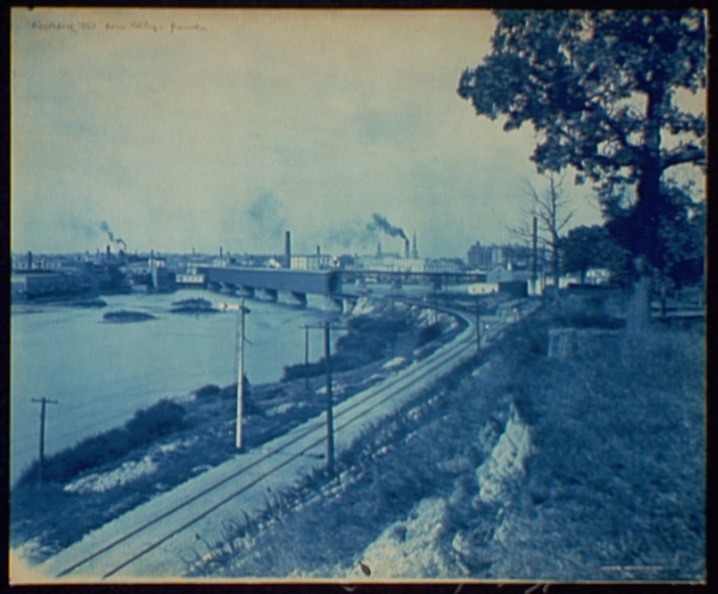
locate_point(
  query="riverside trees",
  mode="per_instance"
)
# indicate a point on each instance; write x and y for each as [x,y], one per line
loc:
[600,88]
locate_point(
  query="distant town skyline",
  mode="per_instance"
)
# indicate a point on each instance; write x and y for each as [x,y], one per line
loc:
[176,130]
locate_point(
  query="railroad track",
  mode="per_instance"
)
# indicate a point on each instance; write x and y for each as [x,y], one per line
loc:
[148,529]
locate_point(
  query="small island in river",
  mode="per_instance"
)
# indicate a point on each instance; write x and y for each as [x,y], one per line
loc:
[193,306]
[123,316]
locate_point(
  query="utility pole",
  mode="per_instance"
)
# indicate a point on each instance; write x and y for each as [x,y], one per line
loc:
[240,384]
[43,403]
[393,330]
[478,327]
[534,263]
[330,404]
[241,312]
[306,357]
[330,399]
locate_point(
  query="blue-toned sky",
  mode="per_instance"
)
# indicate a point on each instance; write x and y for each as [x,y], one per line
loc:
[206,128]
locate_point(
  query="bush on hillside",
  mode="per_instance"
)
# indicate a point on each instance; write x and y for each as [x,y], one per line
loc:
[429,333]
[369,346]
[156,421]
[381,326]
[147,425]
[207,391]
[368,340]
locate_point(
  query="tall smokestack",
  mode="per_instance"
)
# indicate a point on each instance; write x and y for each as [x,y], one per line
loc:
[29,260]
[415,249]
[287,249]
[406,248]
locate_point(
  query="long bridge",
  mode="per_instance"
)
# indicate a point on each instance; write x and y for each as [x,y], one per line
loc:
[328,283]
[272,281]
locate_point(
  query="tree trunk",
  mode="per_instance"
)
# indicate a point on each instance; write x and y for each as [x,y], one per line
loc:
[555,268]
[664,298]
[638,316]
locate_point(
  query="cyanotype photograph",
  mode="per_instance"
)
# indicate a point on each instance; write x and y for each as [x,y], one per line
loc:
[357,296]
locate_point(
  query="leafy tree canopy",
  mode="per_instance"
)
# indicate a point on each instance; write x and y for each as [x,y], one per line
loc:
[588,247]
[600,89]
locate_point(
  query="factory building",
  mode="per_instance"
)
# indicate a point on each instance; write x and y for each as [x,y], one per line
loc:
[39,284]
[488,257]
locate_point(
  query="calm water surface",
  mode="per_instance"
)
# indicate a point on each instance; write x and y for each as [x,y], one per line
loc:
[101,373]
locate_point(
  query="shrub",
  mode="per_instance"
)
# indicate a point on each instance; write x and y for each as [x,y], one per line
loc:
[377,326]
[300,371]
[429,333]
[147,425]
[158,420]
[207,391]
[366,344]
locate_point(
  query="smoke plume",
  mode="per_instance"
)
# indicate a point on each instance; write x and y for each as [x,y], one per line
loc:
[110,235]
[106,228]
[380,223]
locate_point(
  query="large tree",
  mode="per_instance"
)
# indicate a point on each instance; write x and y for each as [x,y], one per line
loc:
[600,89]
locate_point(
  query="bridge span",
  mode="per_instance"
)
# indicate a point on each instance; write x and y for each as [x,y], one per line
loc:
[269,282]
[272,281]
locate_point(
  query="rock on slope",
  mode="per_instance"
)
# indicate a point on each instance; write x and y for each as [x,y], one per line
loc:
[429,543]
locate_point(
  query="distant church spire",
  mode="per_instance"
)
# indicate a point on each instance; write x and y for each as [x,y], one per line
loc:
[378,249]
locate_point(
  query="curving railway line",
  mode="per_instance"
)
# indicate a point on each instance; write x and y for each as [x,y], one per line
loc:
[151,540]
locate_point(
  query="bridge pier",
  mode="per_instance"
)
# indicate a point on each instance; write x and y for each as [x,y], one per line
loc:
[348,303]
[336,301]
[229,287]
[246,291]
[301,298]
[271,294]
[212,286]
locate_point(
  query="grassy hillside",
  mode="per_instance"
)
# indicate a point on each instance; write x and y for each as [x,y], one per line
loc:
[612,486]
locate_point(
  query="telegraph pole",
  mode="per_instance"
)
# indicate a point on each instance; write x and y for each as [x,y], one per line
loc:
[43,403]
[241,312]
[330,404]
[534,263]
[478,327]
[306,357]
[330,399]
[393,330]
[240,384]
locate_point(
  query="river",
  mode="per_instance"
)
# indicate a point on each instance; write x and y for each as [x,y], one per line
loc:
[100,373]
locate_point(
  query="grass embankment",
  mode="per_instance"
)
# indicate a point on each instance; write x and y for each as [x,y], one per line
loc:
[613,488]
[108,474]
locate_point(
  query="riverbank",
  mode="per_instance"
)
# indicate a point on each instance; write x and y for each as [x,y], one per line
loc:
[169,443]
[101,373]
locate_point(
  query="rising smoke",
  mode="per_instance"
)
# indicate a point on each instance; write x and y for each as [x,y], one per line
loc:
[106,228]
[110,235]
[380,223]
